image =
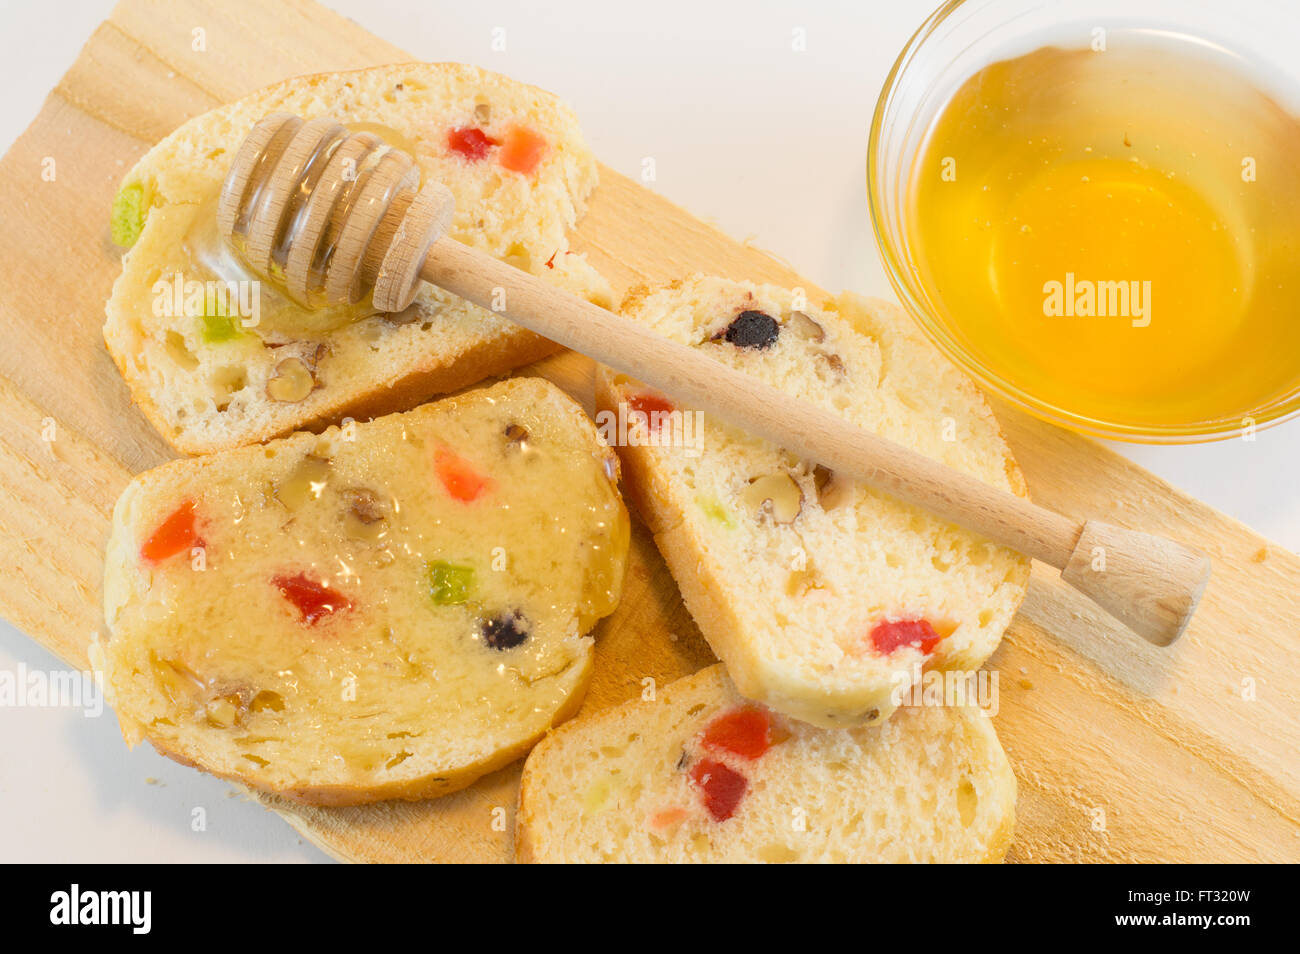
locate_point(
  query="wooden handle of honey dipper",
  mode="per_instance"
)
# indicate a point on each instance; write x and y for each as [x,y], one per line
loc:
[1150,583]
[391,237]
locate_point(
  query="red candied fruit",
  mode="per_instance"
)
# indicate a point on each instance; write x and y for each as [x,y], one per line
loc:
[723,787]
[650,405]
[522,150]
[746,731]
[470,142]
[458,476]
[890,635]
[177,534]
[314,601]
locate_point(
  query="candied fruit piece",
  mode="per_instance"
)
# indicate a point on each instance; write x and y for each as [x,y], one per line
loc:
[655,407]
[458,476]
[722,787]
[449,583]
[715,511]
[890,635]
[219,327]
[177,534]
[129,212]
[522,150]
[745,731]
[752,329]
[470,143]
[314,601]
[668,818]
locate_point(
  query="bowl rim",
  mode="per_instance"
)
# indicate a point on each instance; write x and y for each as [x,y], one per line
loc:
[891,255]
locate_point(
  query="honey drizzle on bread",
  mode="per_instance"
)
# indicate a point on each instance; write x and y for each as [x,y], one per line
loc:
[210,386]
[348,617]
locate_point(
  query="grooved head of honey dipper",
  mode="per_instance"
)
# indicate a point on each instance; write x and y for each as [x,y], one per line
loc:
[330,215]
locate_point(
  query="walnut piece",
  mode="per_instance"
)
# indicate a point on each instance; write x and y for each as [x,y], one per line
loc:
[516,436]
[305,482]
[804,327]
[292,381]
[832,491]
[777,494]
[365,518]
[835,361]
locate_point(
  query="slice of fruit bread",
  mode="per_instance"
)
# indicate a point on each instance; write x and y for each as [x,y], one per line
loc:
[825,599]
[386,610]
[703,775]
[216,358]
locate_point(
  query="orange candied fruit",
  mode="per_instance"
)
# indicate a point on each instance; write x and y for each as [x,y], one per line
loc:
[522,150]
[459,477]
[650,405]
[177,534]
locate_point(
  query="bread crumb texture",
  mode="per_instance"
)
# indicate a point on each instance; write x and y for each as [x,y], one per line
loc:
[645,782]
[385,610]
[207,380]
[822,596]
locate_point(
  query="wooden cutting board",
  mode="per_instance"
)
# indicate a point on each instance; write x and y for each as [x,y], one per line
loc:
[1124,752]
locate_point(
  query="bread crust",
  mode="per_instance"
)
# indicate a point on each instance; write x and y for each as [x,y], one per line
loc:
[410,790]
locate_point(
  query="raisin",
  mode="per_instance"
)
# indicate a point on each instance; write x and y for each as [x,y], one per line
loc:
[752,329]
[505,631]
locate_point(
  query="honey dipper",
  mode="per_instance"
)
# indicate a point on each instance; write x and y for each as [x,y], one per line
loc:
[333,216]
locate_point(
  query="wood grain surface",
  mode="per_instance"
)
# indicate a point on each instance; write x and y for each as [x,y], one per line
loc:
[1124,751]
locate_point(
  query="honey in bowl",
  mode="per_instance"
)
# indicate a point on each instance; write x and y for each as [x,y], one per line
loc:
[1116,233]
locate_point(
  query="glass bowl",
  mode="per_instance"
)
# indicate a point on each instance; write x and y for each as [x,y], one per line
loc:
[964,36]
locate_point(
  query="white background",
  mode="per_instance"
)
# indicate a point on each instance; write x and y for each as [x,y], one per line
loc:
[767,143]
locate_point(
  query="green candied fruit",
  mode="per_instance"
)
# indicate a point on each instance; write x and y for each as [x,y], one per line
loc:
[129,211]
[218,326]
[449,583]
[715,511]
